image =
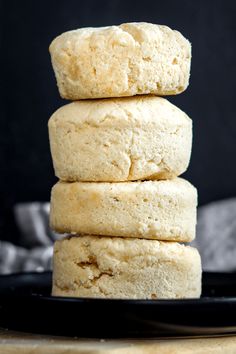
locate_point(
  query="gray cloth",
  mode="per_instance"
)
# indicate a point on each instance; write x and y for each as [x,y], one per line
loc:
[216,235]
[36,240]
[216,238]
[15,259]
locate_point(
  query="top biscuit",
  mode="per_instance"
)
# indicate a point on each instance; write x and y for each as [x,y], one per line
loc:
[117,61]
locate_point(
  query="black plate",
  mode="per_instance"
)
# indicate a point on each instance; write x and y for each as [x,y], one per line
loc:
[26,305]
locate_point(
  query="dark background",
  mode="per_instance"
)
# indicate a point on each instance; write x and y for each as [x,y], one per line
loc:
[28,92]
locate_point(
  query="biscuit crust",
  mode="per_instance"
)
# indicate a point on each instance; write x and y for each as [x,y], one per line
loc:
[162,210]
[117,61]
[92,266]
[114,140]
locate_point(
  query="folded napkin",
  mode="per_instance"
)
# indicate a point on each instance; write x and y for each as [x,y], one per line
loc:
[36,240]
[216,235]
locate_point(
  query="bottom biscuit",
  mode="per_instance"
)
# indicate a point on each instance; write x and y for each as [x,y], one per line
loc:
[112,267]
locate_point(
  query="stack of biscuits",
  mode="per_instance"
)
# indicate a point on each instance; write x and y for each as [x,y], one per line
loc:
[118,150]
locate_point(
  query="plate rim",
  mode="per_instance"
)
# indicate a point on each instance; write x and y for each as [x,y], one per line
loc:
[206,300]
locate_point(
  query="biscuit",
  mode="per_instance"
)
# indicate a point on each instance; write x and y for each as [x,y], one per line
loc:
[162,210]
[123,139]
[124,60]
[91,266]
